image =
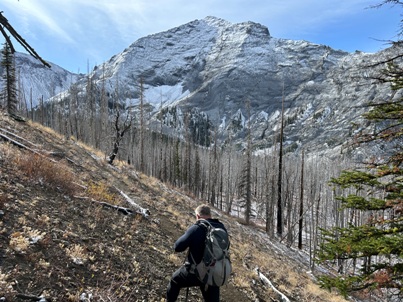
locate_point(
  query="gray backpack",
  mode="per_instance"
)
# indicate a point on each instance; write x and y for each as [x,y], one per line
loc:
[215,267]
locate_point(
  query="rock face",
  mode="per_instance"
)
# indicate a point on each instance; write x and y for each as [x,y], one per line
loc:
[223,74]
[36,81]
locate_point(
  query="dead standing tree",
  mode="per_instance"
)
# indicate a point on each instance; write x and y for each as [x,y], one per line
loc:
[5,25]
[120,129]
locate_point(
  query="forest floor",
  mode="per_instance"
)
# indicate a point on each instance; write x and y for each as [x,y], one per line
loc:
[60,240]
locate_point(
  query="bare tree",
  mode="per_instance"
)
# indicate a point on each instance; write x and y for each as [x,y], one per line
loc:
[280,174]
[120,126]
[301,204]
[120,129]
[142,130]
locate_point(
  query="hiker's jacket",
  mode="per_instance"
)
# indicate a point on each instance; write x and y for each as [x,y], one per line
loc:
[194,240]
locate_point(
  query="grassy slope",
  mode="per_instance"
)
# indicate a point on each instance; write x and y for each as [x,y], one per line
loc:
[78,246]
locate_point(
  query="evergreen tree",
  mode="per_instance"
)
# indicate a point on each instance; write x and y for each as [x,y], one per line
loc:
[379,193]
[375,192]
[9,92]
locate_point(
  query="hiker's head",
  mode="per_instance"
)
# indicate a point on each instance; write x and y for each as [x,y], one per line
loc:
[203,212]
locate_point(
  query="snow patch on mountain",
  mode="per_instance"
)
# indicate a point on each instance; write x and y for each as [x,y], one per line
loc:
[164,95]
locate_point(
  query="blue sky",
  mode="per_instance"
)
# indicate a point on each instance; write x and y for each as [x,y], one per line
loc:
[79,33]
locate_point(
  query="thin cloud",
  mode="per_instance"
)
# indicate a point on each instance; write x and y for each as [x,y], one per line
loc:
[95,30]
[144,17]
[40,14]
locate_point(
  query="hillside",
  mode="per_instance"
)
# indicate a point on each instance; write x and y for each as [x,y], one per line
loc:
[59,241]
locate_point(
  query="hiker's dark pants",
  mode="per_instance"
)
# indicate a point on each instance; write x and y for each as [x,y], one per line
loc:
[183,278]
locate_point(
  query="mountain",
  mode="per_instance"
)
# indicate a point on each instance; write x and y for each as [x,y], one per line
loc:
[212,71]
[211,68]
[36,81]
[74,228]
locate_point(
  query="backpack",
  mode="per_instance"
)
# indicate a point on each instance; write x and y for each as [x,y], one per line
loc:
[215,267]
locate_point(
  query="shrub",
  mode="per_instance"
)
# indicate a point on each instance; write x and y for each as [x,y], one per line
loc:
[100,192]
[49,173]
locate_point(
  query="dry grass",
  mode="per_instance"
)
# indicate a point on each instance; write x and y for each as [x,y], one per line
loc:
[288,279]
[6,152]
[315,293]
[6,285]
[101,192]
[48,173]
[116,292]
[91,150]
[45,129]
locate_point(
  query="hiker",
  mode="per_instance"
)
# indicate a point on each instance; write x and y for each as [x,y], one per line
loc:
[194,239]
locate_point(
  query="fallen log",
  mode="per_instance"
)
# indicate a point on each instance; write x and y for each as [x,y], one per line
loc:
[22,146]
[14,142]
[124,211]
[267,282]
[17,136]
[140,210]
[18,144]
[33,298]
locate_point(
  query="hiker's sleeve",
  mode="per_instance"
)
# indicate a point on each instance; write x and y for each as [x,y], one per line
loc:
[185,240]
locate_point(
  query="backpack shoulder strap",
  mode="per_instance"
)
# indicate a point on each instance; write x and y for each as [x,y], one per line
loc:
[204,224]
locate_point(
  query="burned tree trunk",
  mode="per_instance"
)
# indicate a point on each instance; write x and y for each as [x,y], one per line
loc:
[120,130]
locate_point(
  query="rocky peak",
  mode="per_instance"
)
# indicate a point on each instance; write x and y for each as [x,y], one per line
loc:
[214,67]
[216,22]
